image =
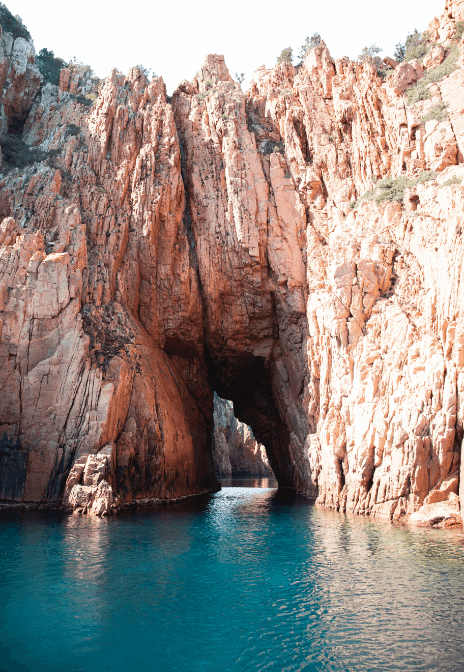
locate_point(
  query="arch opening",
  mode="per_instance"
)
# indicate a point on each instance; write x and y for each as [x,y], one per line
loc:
[246,382]
[236,453]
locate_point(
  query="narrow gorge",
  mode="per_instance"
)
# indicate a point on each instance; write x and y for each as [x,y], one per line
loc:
[296,249]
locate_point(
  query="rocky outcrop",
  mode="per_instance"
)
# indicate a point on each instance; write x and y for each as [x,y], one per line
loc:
[20,81]
[235,450]
[295,248]
[102,317]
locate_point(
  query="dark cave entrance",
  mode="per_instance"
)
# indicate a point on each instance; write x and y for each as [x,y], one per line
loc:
[236,452]
[246,382]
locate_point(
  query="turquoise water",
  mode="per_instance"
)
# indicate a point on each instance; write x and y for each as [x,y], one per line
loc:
[247,579]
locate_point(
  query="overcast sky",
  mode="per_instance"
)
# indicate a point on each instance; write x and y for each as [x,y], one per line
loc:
[173,37]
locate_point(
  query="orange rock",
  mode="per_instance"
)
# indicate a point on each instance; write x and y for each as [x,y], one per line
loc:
[243,243]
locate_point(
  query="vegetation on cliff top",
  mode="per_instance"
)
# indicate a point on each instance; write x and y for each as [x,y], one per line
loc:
[49,66]
[12,24]
[415,46]
[286,55]
[310,42]
[371,55]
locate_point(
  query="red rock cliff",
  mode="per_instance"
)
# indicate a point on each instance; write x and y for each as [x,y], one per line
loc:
[296,248]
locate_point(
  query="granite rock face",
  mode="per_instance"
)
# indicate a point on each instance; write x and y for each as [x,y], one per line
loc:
[104,384]
[236,451]
[156,252]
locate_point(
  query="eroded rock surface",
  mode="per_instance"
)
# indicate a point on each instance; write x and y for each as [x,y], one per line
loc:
[235,450]
[154,253]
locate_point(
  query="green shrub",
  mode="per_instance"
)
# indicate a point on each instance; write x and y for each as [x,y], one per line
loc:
[331,137]
[309,43]
[385,71]
[148,72]
[49,66]
[286,56]
[459,31]
[270,147]
[449,183]
[400,52]
[204,94]
[393,189]
[72,129]
[87,100]
[240,77]
[12,24]
[16,154]
[420,91]
[426,176]
[389,189]
[437,112]
[370,55]
[416,45]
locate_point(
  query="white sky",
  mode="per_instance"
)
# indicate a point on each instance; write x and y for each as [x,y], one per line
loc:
[173,37]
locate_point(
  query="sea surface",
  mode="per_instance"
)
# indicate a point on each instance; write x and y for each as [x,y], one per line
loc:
[250,578]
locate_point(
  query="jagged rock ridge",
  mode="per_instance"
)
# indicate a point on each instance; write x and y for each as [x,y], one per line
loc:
[153,253]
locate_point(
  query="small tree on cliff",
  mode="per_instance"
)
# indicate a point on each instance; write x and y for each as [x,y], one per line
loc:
[400,52]
[240,77]
[416,45]
[12,24]
[370,55]
[286,56]
[148,72]
[49,66]
[309,43]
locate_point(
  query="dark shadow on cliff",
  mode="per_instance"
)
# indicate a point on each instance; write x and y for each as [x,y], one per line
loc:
[246,382]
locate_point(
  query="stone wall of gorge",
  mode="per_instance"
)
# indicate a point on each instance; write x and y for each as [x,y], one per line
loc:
[153,252]
[235,450]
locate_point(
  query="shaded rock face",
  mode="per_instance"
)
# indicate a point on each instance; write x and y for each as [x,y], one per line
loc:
[20,81]
[235,449]
[155,253]
[102,347]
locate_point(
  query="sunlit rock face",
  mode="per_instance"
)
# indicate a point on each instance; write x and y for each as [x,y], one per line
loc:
[235,450]
[153,252]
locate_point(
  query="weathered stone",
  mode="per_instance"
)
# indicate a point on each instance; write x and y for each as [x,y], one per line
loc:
[434,57]
[159,253]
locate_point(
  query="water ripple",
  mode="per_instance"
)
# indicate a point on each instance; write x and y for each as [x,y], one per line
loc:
[249,579]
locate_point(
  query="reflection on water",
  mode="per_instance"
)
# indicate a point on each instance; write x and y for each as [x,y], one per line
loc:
[255,482]
[250,578]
